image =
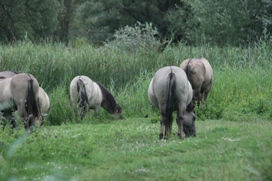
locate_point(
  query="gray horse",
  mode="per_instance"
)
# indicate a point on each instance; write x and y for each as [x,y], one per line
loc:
[200,74]
[86,94]
[20,92]
[169,91]
[43,99]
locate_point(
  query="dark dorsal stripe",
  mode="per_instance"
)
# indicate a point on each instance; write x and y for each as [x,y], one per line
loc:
[108,97]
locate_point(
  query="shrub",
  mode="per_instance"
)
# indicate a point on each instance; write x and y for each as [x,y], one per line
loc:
[138,38]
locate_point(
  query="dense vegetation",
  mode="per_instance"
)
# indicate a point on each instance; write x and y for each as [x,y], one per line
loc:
[233,127]
[240,92]
[194,22]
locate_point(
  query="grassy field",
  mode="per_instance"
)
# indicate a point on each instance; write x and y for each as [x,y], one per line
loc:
[233,128]
[130,150]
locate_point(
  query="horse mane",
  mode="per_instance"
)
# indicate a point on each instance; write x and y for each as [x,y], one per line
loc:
[108,96]
[170,100]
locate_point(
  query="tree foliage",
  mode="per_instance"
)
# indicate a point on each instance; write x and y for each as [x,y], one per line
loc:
[228,21]
[190,21]
[100,19]
[29,19]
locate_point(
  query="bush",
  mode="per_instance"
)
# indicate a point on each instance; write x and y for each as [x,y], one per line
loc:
[138,38]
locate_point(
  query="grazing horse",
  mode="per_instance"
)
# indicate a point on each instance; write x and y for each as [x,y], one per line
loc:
[44,102]
[200,75]
[88,94]
[20,92]
[169,91]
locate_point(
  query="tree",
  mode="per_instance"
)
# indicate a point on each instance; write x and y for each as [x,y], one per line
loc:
[100,19]
[29,19]
[229,22]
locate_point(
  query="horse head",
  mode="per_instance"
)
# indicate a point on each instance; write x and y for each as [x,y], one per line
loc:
[189,120]
[118,109]
[189,124]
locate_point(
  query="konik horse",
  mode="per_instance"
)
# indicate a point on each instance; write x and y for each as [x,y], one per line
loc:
[169,91]
[87,94]
[200,74]
[43,99]
[20,92]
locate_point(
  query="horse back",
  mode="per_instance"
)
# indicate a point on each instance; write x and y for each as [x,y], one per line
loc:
[159,86]
[209,72]
[82,88]
[7,74]
[195,71]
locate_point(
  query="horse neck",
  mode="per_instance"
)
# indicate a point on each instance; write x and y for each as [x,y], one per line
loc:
[108,102]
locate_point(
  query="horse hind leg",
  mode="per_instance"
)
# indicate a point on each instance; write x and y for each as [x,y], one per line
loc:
[21,110]
[83,112]
[165,131]
[162,129]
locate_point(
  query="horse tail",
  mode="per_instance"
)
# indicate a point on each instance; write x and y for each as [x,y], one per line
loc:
[188,69]
[170,100]
[32,107]
[82,93]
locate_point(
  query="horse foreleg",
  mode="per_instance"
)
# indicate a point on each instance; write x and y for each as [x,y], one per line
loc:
[180,126]
[179,120]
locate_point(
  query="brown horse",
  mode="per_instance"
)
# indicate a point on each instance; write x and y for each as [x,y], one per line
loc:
[170,90]
[87,94]
[20,93]
[200,75]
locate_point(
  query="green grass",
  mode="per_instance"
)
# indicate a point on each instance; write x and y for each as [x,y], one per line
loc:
[130,150]
[233,127]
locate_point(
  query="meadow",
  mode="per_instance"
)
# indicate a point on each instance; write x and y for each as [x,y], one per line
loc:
[233,127]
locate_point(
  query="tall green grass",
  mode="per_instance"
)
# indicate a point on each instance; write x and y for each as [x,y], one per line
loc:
[233,143]
[241,89]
